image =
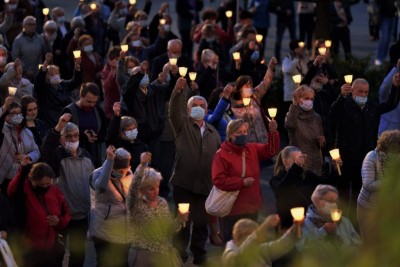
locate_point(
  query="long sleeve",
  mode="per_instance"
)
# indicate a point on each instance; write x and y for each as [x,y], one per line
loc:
[386,86]
[49,146]
[268,150]
[175,112]
[220,178]
[121,70]
[66,214]
[310,234]
[219,111]
[292,117]
[131,87]
[289,65]
[391,102]
[369,172]
[75,82]
[101,178]
[132,199]
[7,78]
[113,131]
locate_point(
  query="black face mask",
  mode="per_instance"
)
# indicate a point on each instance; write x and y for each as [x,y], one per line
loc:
[40,190]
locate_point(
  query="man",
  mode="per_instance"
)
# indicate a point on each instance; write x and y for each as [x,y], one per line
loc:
[29,47]
[58,15]
[73,166]
[196,143]
[355,122]
[91,121]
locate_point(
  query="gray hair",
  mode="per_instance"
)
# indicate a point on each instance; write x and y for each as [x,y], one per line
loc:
[2,47]
[50,24]
[27,18]
[233,126]
[122,153]
[196,97]
[77,22]
[206,55]
[68,128]
[360,81]
[321,190]
[126,121]
[174,42]
[151,176]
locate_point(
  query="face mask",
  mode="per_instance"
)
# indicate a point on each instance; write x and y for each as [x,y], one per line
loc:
[29,118]
[16,119]
[137,43]
[326,209]
[72,146]
[240,140]
[12,6]
[61,20]
[55,80]
[88,48]
[40,190]
[167,27]
[131,135]
[143,23]
[210,40]
[117,175]
[361,100]
[123,12]
[3,61]
[144,81]
[255,55]
[247,92]
[307,105]
[197,113]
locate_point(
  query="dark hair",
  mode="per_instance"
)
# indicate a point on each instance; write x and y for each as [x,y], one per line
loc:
[131,59]
[244,14]
[239,83]
[39,171]
[113,52]
[89,88]
[25,101]
[213,99]
[209,13]
[12,106]
[247,31]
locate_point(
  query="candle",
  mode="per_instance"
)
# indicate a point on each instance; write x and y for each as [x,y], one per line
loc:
[40,66]
[182,71]
[162,21]
[272,112]
[124,48]
[335,156]
[93,6]
[336,214]
[183,208]
[246,101]
[297,79]
[6,1]
[77,53]
[328,43]
[322,51]
[132,2]
[301,44]
[173,61]
[12,90]
[259,38]
[45,11]
[236,55]
[298,215]
[228,14]
[348,78]
[192,76]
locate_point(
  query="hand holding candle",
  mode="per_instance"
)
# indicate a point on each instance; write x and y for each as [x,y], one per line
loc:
[45,11]
[297,79]
[336,156]
[132,2]
[236,56]
[336,215]
[272,112]
[246,101]
[228,14]
[301,44]
[173,61]
[184,210]
[192,76]
[124,48]
[322,51]
[328,43]
[12,90]
[348,78]
[183,71]
[298,216]
[259,38]
[77,53]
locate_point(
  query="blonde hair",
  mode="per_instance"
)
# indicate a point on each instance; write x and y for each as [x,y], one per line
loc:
[283,155]
[301,90]
[242,229]
[150,178]
[389,141]
[233,126]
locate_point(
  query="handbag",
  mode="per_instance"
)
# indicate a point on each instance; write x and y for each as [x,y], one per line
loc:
[6,256]
[219,203]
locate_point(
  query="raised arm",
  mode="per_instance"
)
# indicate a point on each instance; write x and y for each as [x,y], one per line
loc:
[101,177]
[263,87]
[175,104]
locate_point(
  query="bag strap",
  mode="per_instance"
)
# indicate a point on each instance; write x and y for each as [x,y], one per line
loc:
[244,163]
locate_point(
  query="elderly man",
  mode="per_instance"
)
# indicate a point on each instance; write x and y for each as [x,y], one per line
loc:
[29,47]
[355,122]
[196,143]
[58,15]
[73,166]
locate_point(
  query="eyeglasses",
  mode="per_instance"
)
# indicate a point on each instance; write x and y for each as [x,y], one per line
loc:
[70,136]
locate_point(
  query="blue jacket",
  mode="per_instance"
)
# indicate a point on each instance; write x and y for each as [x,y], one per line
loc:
[217,118]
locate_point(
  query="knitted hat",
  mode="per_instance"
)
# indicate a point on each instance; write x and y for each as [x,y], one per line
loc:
[122,159]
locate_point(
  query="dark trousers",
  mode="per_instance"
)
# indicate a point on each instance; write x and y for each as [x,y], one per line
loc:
[77,231]
[198,218]
[165,167]
[281,26]
[111,254]
[45,258]
[229,221]
[306,29]
[341,35]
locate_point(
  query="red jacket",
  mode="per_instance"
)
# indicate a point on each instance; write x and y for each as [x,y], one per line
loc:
[227,171]
[39,234]
[110,89]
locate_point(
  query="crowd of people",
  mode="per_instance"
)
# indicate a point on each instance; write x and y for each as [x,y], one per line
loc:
[111,122]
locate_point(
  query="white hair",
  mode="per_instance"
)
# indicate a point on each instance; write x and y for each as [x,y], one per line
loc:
[196,97]
[321,190]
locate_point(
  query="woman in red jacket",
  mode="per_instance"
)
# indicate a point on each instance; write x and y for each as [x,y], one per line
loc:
[44,212]
[236,167]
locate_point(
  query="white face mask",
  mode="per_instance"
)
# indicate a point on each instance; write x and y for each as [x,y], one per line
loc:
[137,43]
[144,81]
[167,27]
[307,105]
[247,92]
[16,119]
[130,71]
[328,207]
[197,113]
[131,135]
[88,48]
[55,80]
[72,146]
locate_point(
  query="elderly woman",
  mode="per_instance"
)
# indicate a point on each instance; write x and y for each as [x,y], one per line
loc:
[372,172]
[304,128]
[108,225]
[122,132]
[152,224]
[321,237]
[16,143]
[236,167]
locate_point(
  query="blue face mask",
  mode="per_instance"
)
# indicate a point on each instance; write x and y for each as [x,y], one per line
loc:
[197,113]
[361,100]
[117,175]
[240,140]
[255,55]
[145,80]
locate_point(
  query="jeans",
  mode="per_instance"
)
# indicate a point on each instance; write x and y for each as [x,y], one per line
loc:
[387,25]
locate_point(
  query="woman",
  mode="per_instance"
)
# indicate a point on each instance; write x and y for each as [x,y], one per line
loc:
[292,184]
[236,167]
[122,132]
[125,67]
[108,224]
[29,110]
[321,237]
[152,224]
[44,212]
[372,172]
[304,128]
[16,143]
